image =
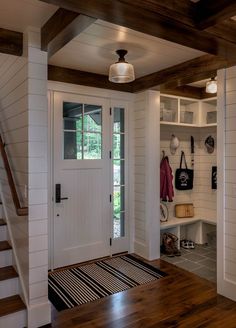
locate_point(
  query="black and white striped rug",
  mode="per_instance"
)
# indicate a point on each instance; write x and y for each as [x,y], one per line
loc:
[89,282]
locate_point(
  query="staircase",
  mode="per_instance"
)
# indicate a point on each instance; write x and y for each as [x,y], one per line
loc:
[12,308]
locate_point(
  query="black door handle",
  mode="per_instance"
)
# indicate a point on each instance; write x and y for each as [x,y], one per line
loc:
[58,193]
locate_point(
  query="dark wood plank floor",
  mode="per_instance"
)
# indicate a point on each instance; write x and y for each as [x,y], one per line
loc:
[181,299]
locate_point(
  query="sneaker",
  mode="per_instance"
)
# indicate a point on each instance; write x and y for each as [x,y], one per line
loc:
[188,244]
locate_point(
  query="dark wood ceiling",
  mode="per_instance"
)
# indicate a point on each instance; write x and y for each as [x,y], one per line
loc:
[205,25]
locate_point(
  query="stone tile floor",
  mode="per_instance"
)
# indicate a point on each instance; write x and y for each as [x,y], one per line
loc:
[201,260]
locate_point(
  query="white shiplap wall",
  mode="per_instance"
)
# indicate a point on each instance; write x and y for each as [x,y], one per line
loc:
[14,127]
[146,174]
[23,115]
[39,312]
[226,227]
[202,196]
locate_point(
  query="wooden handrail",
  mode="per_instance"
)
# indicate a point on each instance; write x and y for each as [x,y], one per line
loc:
[21,211]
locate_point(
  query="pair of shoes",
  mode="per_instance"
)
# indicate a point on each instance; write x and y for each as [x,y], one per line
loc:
[169,245]
[188,244]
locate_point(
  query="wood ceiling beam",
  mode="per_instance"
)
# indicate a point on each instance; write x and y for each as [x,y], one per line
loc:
[205,95]
[171,78]
[190,71]
[145,21]
[67,75]
[61,28]
[188,91]
[212,12]
[225,30]
[181,11]
[11,42]
[183,91]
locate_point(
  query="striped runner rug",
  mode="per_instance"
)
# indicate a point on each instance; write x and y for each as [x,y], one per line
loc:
[89,282]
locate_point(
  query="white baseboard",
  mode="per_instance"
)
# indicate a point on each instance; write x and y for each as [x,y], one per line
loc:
[140,249]
[227,289]
[39,315]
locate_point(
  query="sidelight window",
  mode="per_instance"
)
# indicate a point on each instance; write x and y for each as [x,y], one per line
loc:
[118,172]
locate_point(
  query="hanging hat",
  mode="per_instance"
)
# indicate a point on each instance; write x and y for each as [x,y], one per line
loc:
[174,144]
[210,144]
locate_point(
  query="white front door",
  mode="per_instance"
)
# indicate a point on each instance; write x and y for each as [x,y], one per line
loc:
[82,221]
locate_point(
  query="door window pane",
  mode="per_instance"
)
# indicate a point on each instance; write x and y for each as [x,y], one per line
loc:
[118,145]
[119,120]
[118,172]
[92,145]
[92,118]
[82,131]
[72,145]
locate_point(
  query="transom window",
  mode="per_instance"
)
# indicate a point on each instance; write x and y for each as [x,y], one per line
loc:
[82,131]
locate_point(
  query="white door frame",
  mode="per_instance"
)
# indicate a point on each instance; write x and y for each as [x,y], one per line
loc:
[117,97]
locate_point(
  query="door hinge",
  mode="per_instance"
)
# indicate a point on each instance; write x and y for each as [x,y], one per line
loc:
[110,198]
[110,110]
[110,241]
[110,154]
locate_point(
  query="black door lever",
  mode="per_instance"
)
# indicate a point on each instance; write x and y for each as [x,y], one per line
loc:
[58,193]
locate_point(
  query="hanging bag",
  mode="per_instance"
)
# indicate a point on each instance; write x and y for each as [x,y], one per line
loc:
[183,176]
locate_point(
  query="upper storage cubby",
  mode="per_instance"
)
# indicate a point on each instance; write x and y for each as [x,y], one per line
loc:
[187,112]
[169,109]
[209,112]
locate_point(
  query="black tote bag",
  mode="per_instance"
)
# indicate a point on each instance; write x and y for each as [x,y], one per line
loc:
[183,176]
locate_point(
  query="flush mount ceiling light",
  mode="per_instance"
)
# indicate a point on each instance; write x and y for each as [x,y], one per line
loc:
[121,71]
[211,86]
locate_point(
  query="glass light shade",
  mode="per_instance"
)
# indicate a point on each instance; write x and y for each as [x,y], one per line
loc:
[211,86]
[121,72]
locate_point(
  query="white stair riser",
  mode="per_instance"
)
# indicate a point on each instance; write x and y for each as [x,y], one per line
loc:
[5,258]
[14,320]
[3,233]
[1,211]
[9,287]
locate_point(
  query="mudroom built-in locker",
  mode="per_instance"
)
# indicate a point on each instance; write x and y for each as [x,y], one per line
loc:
[188,129]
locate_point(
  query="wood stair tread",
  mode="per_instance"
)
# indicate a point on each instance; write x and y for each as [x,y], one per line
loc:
[7,272]
[4,245]
[2,222]
[10,305]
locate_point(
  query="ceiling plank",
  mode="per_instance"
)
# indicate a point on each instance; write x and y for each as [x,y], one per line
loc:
[11,42]
[148,22]
[190,71]
[212,12]
[67,75]
[61,28]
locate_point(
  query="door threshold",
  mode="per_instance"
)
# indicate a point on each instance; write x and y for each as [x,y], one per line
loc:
[72,266]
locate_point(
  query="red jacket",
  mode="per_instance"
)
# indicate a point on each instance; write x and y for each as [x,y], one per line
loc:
[166,178]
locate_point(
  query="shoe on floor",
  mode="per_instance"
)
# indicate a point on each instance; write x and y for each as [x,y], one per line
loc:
[188,244]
